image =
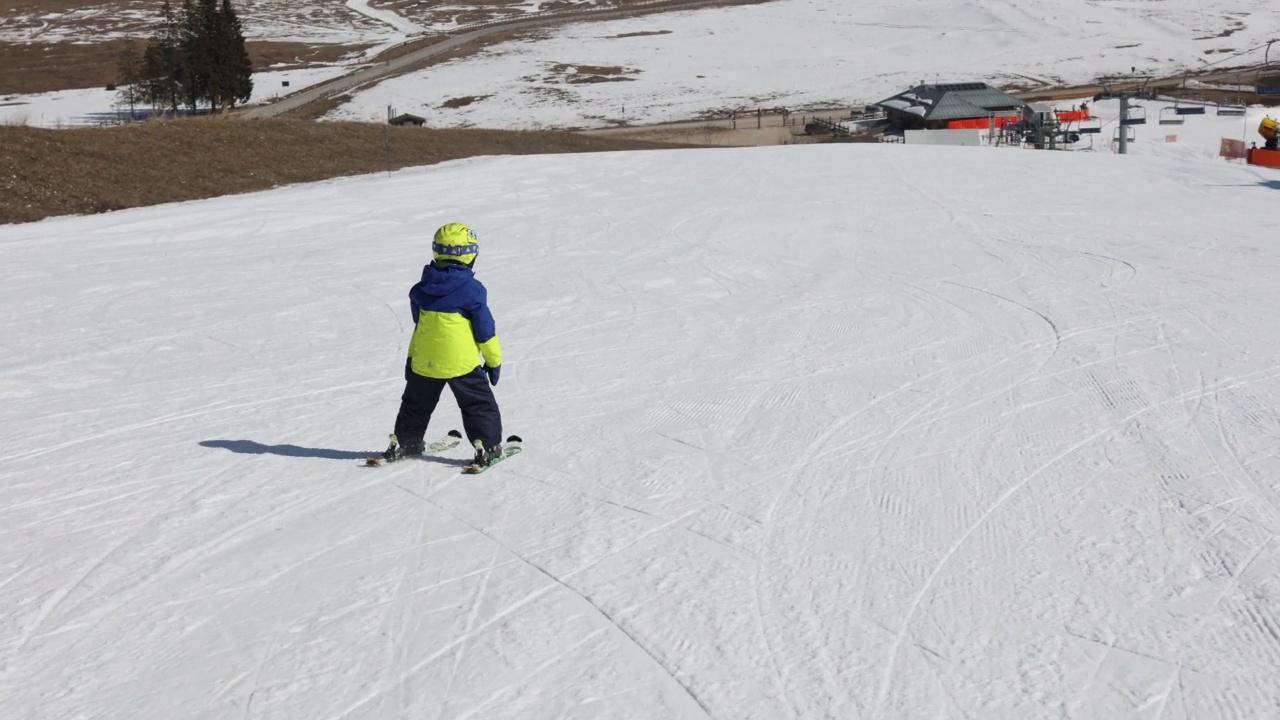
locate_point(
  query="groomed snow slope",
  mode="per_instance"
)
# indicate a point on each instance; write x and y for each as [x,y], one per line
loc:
[819,431]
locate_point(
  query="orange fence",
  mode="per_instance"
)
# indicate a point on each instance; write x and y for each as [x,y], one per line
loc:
[983,123]
[1073,115]
[1002,121]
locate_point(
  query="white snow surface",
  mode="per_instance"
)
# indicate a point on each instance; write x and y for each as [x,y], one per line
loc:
[845,431]
[816,54]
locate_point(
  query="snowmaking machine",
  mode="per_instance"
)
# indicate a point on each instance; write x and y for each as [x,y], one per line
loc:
[1269,154]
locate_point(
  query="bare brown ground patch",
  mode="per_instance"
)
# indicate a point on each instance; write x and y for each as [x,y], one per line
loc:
[25,7]
[42,67]
[320,108]
[590,69]
[459,102]
[590,79]
[642,33]
[585,74]
[45,173]
[292,55]
[1225,33]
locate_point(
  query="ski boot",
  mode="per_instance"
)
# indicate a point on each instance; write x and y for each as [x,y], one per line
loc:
[485,455]
[396,451]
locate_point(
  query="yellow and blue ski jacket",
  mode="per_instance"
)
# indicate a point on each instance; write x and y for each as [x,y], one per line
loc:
[454,326]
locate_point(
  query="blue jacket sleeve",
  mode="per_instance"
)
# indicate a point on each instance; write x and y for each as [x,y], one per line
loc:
[482,325]
[485,333]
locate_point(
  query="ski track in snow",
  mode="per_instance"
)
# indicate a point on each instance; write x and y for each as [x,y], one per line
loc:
[826,431]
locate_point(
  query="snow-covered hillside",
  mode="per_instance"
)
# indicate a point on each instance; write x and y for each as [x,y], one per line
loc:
[812,53]
[794,53]
[842,431]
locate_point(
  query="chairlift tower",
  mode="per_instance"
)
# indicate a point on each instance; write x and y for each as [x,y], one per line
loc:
[1126,88]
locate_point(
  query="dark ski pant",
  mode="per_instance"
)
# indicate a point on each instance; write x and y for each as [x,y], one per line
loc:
[480,417]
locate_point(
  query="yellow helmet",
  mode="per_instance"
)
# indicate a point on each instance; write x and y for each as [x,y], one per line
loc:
[455,242]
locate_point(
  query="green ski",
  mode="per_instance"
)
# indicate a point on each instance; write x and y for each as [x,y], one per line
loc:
[447,442]
[512,447]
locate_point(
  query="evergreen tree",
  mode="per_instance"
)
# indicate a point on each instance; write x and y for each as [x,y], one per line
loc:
[162,66]
[198,56]
[237,69]
[194,54]
[213,25]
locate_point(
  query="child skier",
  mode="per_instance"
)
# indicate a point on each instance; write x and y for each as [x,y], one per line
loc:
[454,343]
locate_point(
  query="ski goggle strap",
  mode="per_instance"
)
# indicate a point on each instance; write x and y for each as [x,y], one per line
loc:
[455,250]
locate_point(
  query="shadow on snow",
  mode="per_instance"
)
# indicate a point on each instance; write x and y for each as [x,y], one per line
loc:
[249,447]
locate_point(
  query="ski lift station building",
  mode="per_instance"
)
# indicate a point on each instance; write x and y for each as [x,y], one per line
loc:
[952,106]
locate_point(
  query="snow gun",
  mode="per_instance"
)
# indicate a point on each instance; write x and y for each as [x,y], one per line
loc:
[1269,129]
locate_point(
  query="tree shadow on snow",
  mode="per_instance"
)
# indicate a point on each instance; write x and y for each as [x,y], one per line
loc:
[249,447]
[1273,184]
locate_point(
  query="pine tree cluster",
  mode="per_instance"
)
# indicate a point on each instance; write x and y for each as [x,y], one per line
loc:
[196,59]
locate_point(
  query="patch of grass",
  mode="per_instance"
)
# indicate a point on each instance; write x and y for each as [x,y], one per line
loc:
[46,172]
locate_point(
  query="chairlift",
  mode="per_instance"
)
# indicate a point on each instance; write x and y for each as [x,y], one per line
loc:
[1189,106]
[1137,116]
[1128,131]
[1090,126]
[1267,79]
[1170,116]
[1232,106]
